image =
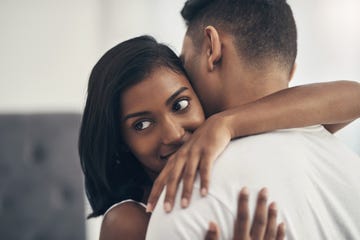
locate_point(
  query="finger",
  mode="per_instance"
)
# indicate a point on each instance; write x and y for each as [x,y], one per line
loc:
[213,232]
[242,222]
[271,222]
[157,188]
[172,185]
[205,170]
[260,218]
[189,177]
[280,235]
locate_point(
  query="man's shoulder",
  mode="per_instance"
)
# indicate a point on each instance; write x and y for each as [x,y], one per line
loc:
[191,222]
[269,159]
[274,141]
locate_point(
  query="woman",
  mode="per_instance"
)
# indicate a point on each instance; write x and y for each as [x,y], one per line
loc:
[139,111]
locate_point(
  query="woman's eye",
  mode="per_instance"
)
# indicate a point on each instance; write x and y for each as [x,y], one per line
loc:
[181,105]
[142,125]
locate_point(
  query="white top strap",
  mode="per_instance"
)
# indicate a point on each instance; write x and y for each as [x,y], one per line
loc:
[119,203]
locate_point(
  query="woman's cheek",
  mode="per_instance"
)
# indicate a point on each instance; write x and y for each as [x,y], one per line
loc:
[144,148]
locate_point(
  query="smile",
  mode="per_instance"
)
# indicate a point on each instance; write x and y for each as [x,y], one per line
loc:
[166,157]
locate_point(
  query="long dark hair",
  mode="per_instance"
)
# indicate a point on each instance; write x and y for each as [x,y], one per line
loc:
[113,174]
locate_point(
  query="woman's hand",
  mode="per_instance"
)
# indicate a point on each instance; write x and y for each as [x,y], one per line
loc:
[264,223]
[199,153]
[289,108]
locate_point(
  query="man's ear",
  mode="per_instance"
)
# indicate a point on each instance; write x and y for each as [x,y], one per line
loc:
[292,71]
[213,47]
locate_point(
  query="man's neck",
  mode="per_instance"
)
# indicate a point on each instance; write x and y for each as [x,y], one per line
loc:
[247,86]
[243,82]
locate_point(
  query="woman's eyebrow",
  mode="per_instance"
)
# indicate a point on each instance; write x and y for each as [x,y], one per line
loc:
[137,114]
[175,94]
[168,102]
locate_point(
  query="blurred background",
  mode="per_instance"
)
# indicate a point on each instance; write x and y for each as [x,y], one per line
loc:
[48,48]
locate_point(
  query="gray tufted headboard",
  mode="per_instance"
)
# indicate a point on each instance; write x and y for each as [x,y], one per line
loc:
[41,183]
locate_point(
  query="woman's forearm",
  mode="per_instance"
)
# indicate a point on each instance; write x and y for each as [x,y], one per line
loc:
[333,104]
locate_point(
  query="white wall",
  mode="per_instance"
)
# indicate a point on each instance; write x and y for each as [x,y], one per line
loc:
[329,49]
[48,47]
[126,19]
[329,36]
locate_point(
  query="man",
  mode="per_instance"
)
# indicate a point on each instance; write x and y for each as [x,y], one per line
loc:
[242,51]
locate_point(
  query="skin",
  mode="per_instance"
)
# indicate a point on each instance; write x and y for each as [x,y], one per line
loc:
[157,125]
[264,225]
[256,101]
[172,146]
[154,126]
[220,64]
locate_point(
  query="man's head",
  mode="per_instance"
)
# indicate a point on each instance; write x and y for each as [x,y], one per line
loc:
[259,32]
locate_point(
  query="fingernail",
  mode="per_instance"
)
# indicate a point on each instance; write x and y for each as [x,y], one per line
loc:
[167,207]
[203,192]
[265,192]
[283,225]
[212,227]
[273,206]
[244,191]
[184,203]
[149,207]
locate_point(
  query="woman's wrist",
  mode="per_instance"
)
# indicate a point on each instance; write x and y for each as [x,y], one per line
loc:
[243,121]
[231,122]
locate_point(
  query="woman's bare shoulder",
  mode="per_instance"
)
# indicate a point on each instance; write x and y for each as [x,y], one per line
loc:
[125,221]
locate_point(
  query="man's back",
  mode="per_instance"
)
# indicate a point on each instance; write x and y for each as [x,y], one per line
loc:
[311,175]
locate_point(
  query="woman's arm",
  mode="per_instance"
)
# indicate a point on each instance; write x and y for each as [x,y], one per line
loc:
[126,221]
[333,104]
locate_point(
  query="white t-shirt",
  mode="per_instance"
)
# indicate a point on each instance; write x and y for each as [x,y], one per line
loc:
[312,176]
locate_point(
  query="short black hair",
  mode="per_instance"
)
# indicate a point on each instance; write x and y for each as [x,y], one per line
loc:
[112,173]
[261,28]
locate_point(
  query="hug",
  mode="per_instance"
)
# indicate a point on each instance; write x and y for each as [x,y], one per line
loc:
[167,142]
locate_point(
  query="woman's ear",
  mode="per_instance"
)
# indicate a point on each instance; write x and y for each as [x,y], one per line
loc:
[213,47]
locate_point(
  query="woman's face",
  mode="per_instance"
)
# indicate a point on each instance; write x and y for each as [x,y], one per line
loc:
[157,116]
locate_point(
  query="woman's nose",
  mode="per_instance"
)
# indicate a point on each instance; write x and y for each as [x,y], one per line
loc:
[172,132]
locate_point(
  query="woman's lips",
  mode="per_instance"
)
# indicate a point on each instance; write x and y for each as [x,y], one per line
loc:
[174,147]
[166,157]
